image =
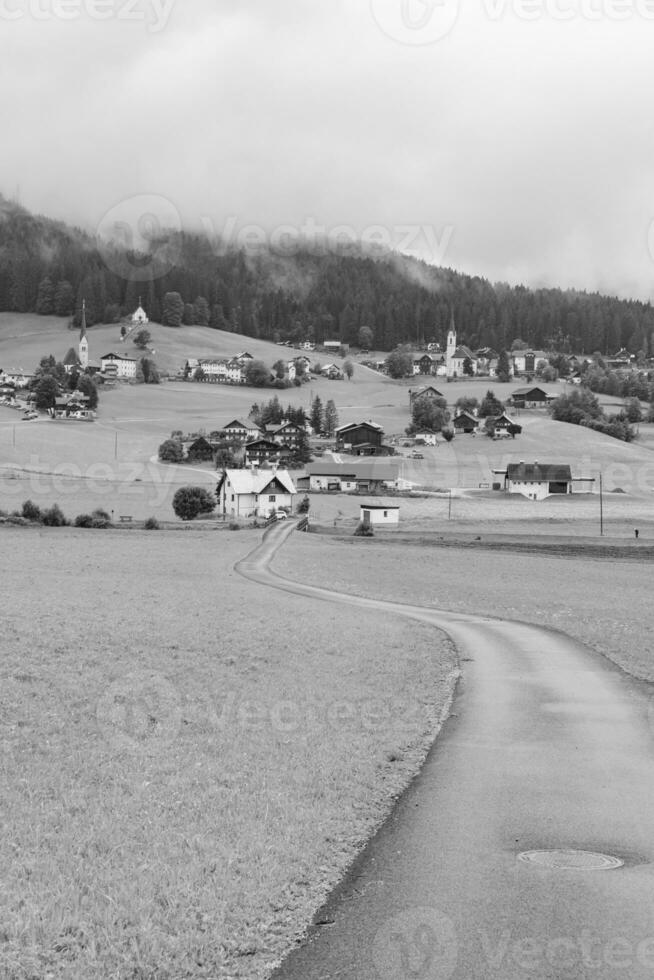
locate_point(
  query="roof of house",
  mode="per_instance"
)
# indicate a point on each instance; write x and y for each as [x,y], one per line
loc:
[116,357]
[241,424]
[264,442]
[464,418]
[356,425]
[539,472]
[423,391]
[520,392]
[463,352]
[357,469]
[255,481]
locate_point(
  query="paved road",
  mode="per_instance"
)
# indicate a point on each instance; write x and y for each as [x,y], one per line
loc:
[547,747]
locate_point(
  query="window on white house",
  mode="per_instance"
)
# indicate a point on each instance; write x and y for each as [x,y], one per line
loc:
[272,498]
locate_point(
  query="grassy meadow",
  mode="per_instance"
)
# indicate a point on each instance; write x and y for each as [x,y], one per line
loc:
[190,761]
[112,463]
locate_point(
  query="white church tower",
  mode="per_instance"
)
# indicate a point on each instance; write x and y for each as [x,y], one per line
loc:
[83,347]
[451,347]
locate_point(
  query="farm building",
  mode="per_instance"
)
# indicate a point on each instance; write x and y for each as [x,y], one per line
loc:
[531,398]
[367,476]
[537,480]
[361,439]
[254,492]
[380,515]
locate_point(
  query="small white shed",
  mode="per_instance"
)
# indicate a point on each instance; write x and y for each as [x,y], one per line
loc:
[379,514]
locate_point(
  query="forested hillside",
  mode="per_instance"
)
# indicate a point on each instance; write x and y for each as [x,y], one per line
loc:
[48,267]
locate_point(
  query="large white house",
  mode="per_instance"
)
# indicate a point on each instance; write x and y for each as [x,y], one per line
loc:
[118,364]
[255,492]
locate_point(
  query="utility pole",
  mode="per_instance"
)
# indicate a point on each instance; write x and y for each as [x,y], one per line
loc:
[601,507]
[116,445]
[449,506]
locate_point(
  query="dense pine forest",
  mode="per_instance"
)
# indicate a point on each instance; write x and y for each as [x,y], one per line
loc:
[48,267]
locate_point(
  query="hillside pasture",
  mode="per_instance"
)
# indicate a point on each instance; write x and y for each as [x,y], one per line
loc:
[112,462]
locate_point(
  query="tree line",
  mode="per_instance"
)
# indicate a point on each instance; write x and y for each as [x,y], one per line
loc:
[48,267]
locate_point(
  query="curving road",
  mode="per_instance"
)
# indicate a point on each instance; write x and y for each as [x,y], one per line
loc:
[548,748]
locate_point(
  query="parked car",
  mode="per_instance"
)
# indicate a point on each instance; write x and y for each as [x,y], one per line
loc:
[280,515]
[416,455]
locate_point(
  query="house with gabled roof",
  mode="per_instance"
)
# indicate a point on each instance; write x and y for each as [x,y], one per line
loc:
[255,492]
[242,430]
[537,480]
[465,422]
[119,365]
[262,451]
[425,391]
[368,476]
[531,397]
[362,439]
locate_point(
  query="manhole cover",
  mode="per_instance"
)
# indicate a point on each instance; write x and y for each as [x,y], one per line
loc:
[562,860]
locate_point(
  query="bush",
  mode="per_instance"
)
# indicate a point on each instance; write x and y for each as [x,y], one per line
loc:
[83,520]
[234,526]
[152,524]
[32,512]
[448,435]
[100,519]
[303,506]
[189,502]
[364,531]
[17,519]
[54,517]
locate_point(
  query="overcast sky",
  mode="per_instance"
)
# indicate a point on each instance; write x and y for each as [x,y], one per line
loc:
[512,139]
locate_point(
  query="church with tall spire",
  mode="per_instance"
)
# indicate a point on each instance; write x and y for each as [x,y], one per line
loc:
[83,346]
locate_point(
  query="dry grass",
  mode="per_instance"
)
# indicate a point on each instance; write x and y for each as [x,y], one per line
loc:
[189,761]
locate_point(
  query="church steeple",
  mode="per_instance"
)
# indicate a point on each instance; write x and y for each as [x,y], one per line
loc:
[451,345]
[83,341]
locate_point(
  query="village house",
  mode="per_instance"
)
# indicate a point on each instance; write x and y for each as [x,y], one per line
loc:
[487,361]
[362,439]
[365,476]
[265,451]
[287,434]
[335,346]
[332,372]
[118,365]
[526,361]
[503,425]
[426,391]
[424,365]
[255,492]
[242,430]
[536,480]
[19,379]
[531,398]
[465,422]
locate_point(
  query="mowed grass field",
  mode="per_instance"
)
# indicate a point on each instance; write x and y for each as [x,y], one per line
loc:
[189,761]
[601,601]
